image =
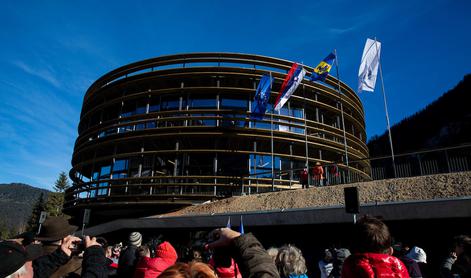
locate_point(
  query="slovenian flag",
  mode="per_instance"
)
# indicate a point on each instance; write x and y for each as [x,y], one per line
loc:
[323,69]
[291,82]
[259,104]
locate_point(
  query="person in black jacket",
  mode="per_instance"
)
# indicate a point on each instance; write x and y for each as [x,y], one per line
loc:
[130,255]
[455,262]
[248,252]
[93,264]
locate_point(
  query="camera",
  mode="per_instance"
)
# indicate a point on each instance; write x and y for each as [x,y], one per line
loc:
[222,257]
[78,246]
[153,243]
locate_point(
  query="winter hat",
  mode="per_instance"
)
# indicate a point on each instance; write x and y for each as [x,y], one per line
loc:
[14,256]
[417,254]
[55,228]
[135,238]
[165,250]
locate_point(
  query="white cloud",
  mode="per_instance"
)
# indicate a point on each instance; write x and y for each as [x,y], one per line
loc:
[44,73]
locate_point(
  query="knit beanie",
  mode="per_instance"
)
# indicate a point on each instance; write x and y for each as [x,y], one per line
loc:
[417,254]
[166,251]
[135,238]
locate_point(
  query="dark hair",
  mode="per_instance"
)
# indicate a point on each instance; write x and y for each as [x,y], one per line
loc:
[467,250]
[371,235]
[461,240]
[102,241]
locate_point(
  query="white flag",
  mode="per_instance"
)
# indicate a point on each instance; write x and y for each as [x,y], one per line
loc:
[369,66]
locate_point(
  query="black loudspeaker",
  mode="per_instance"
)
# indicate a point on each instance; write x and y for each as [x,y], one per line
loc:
[352,204]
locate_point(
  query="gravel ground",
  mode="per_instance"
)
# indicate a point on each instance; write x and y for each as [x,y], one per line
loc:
[441,186]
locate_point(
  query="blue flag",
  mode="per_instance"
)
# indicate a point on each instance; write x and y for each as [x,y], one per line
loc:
[262,95]
[241,229]
[228,225]
[323,69]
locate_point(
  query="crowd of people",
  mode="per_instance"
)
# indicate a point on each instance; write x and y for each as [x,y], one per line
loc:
[224,253]
[319,176]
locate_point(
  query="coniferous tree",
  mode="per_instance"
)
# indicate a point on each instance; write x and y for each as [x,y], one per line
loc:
[62,182]
[55,200]
[5,231]
[39,206]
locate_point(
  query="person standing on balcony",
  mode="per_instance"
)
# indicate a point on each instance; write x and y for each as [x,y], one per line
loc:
[318,174]
[303,178]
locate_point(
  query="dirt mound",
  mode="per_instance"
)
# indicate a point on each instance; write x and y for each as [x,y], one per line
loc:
[441,186]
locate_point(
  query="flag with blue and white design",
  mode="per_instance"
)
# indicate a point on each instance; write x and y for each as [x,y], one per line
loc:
[369,66]
[262,95]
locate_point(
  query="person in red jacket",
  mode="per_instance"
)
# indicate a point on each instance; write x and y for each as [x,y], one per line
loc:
[231,271]
[318,174]
[165,256]
[372,252]
[303,178]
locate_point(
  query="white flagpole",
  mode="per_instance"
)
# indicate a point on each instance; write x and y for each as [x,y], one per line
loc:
[343,119]
[271,141]
[305,137]
[386,110]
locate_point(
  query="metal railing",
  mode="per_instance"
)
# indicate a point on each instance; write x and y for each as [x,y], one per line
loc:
[420,163]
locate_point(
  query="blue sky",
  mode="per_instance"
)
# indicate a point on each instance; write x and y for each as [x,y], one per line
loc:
[51,51]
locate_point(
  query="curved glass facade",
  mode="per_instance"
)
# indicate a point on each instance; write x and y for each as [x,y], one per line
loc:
[177,130]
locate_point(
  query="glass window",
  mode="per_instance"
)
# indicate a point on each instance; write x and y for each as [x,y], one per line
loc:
[105,172]
[125,129]
[200,164]
[150,124]
[232,164]
[282,127]
[134,167]
[141,110]
[261,125]
[284,110]
[103,190]
[262,167]
[154,104]
[297,113]
[297,130]
[146,166]
[140,126]
[120,165]
[236,104]
[233,120]
[203,103]
[95,176]
[128,109]
[82,195]
[202,121]
[93,191]
[170,103]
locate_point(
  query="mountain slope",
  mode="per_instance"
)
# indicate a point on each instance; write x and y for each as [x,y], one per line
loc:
[444,122]
[16,203]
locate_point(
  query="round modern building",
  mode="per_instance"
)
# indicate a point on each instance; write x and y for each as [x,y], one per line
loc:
[177,130]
